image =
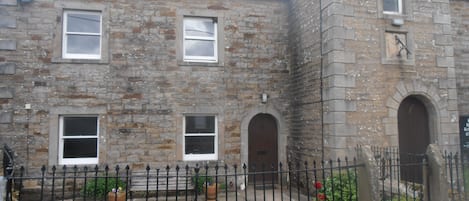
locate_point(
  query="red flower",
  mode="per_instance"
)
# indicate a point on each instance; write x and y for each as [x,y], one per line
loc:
[318,185]
[321,196]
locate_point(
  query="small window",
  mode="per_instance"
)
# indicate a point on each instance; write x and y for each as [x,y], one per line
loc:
[81,35]
[78,142]
[200,39]
[200,138]
[392,6]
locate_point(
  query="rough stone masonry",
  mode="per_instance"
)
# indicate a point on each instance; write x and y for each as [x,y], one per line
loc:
[328,68]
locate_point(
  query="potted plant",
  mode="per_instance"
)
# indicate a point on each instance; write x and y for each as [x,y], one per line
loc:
[200,182]
[206,186]
[211,191]
[116,195]
[102,186]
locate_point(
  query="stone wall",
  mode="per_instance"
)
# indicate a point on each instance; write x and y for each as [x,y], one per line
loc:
[369,84]
[460,25]
[363,83]
[329,68]
[305,114]
[139,89]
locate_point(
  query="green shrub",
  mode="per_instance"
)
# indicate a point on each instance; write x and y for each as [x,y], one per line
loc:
[401,198]
[97,187]
[341,187]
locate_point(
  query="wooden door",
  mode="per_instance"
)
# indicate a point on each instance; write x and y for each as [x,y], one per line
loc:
[263,147]
[414,138]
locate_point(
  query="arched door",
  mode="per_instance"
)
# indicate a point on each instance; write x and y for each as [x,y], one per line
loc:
[414,137]
[262,146]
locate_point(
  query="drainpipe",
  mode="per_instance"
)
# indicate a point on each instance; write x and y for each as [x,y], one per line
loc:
[321,78]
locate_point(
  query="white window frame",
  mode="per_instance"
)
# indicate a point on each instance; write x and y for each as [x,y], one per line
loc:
[399,7]
[77,161]
[200,157]
[187,58]
[66,55]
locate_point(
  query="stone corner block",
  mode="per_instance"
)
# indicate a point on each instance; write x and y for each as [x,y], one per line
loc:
[8,2]
[441,19]
[6,92]
[7,44]
[445,61]
[7,68]
[6,117]
[7,22]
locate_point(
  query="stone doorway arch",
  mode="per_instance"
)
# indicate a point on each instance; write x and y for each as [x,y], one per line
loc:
[281,132]
[435,104]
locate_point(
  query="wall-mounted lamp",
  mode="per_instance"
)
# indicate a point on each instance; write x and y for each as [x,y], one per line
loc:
[264,97]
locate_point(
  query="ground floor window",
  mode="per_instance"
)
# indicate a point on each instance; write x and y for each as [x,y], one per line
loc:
[78,143]
[200,137]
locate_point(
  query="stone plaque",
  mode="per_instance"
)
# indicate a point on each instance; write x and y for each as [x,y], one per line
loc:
[396,45]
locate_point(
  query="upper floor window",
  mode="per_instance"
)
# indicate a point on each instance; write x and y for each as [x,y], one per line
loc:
[392,6]
[78,143]
[200,39]
[200,137]
[82,35]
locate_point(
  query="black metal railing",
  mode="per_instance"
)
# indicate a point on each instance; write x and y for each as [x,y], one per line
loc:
[401,174]
[324,180]
[8,160]
[401,177]
[457,171]
[8,167]
[404,176]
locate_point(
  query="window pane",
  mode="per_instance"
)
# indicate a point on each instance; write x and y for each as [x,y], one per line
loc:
[80,148]
[200,124]
[200,145]
[199,48]
[199,27]
[79,22]
[80,126]
[391,5]
[79,44]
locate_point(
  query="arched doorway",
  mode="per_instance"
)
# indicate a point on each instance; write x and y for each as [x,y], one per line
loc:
[262,146]
[414,137]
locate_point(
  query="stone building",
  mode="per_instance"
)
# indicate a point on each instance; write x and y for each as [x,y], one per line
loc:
[233,81]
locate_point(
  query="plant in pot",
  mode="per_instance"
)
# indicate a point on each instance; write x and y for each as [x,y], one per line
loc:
[116,194]
[102,186]
[200,183]
[205,185]
[211,191]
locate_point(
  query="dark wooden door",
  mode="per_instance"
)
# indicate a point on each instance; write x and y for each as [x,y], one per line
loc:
[263,147]
[413,138]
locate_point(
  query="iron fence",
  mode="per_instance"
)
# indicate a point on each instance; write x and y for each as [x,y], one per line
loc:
[404,176]
[401,177]
[325,180]
[8,167]
[457,171]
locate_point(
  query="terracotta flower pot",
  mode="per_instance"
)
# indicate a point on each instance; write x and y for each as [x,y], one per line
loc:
[119,196]
[211,192]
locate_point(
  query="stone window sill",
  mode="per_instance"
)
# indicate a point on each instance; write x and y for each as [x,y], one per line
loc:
[80,61]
